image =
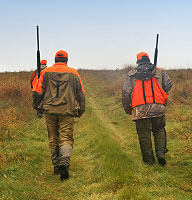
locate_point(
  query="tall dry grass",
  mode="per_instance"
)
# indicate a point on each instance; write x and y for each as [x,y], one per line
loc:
[181,93]
[15,102]
[16,99]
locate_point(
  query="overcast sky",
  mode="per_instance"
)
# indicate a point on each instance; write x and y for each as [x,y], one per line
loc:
[97,34]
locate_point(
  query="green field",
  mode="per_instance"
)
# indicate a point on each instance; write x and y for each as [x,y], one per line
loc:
[106,162]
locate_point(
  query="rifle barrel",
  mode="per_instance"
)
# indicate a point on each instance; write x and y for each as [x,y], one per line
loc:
[157,39]
[38,37]
[38,53]
[156,50]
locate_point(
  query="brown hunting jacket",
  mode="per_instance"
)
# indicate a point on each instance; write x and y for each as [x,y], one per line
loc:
[145,110]
[59,90]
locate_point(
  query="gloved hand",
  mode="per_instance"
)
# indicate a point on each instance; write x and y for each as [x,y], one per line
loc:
[40,113]
[129,110]
[80,113]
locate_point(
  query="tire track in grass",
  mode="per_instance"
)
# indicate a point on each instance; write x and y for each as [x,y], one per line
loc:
[124,137]
[151,181]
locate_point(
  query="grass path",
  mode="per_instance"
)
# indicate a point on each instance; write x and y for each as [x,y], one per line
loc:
[106,162]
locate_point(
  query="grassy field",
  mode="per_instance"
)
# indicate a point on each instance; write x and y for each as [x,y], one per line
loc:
[106,162]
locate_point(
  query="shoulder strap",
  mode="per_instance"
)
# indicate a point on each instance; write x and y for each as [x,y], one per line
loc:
[143,86]
[152,90]
[133,81]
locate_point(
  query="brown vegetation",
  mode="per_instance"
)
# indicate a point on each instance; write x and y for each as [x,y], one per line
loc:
[15,102]
[181,92]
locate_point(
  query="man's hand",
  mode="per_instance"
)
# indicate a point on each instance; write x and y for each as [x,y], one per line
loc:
[40,113]
[80,113]
[129,112]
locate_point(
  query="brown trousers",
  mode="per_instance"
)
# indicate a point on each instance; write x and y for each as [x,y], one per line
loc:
[60,134]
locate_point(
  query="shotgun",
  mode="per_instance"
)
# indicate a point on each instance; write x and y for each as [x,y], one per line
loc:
[38,54]
[156,51]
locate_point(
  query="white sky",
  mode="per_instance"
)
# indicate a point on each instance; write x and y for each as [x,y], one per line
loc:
[97,34]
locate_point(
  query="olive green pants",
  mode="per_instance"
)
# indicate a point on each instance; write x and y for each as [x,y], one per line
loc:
[60,134]
[144,128]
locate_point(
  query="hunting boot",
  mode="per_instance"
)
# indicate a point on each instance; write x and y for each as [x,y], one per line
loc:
[161,159]
[64,172]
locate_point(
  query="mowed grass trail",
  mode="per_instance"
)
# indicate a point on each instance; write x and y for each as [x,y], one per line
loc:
[106,162]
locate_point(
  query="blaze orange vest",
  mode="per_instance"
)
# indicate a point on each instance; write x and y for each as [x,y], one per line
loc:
[146,92]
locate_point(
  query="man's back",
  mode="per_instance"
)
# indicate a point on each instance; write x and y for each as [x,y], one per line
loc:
[145,72]
[62,90]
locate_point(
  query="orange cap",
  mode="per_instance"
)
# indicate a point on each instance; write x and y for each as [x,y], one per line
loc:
[43,62]
[61,53]
[140,55]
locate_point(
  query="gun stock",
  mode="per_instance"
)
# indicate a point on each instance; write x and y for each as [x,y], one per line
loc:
[38,54]
[156,51]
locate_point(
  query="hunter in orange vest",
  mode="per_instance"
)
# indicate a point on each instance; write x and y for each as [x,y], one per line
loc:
[59,92]
[144,95]
[34,76]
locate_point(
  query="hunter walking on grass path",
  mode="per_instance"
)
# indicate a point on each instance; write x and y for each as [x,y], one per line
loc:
[60,93]
[144,95]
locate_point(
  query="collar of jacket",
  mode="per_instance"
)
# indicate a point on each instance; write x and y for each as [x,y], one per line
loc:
[60,64]
[142,64]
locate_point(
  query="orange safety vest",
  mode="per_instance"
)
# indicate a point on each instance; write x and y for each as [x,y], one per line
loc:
[148,91]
